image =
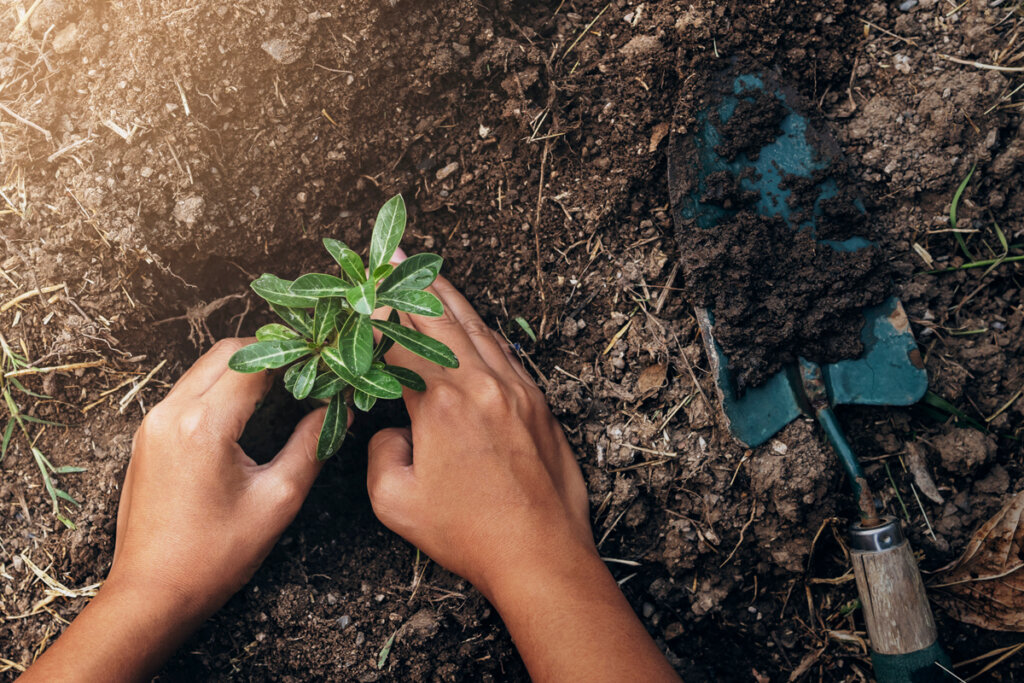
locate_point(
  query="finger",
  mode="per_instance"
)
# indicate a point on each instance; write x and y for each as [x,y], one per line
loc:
[513,360]
[474,330]
[205,372]
[233,399]
[296,465]
[389,468]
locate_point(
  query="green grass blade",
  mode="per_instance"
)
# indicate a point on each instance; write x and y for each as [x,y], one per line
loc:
[953,211]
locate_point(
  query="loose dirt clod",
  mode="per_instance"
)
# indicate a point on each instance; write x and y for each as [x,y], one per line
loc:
[777,294]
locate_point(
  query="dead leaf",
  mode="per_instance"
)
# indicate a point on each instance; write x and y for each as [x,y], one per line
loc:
[658,133]
[985,587]
[918,466]
[651,379]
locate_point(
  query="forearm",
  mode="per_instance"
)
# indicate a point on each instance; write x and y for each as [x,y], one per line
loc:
[570,622]
[124,634]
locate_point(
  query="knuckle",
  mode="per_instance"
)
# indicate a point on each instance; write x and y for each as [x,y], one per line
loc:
[286,494]
[492,392]
[228,345]
[477,329]
[445,395]
[194,424]
[384,494]
[156,422]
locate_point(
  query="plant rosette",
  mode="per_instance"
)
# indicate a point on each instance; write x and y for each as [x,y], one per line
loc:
[326,339]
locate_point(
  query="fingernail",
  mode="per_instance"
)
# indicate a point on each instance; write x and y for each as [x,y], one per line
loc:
[398,256]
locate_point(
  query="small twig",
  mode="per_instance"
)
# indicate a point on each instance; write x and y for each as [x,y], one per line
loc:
[586,30]
[67,148]
[908,41]
[743,530]
[48,134]
[39,291]
[138,387]
[55,368]
[981,65]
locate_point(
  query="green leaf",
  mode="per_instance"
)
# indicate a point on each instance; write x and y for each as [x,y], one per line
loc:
[374,382]
[385,343]
[363,400]
[332,433]
[526,328]
[387,231]
[349,260]
[296,317]
[278,291]
[415,272]
[327,385]
[952,212]
[412,301]
[276,332]
[290,375]
[319,285]
[355,344]
[38,421]
[305,378]
[362,297]
[382,658]
[268,354]
[383,271]
[69,469]
[325,318]
[407,377]
[418,343]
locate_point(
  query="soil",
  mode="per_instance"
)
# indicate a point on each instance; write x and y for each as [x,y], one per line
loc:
[754,123]
[779,294]
[156,156]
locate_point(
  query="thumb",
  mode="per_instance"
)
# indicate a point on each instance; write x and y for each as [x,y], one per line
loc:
[388,466]
[296,464]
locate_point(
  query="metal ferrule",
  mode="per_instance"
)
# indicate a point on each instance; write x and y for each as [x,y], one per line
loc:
[875,539]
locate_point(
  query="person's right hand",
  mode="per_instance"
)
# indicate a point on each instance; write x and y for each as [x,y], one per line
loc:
[485,482]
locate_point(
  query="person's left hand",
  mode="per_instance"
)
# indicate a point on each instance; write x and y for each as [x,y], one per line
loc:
[197,515]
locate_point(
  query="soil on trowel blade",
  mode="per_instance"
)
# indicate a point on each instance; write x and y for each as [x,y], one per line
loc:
[754,123]
[777,294]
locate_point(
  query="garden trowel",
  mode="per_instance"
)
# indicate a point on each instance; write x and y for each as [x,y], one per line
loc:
[889,372]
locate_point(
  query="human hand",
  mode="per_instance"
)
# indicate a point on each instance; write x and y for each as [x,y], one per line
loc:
[197,515]
[485,482]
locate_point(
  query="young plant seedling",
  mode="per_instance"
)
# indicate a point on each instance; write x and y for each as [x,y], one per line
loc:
[327,339]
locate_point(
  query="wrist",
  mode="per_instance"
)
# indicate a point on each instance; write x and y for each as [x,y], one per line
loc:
[557,570]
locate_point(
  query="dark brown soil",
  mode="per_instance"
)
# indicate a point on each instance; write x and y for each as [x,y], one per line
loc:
[754,123]
[779,294]
[528,139]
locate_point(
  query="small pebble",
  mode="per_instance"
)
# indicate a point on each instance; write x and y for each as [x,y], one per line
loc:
[908,5]
[360,639]
[647,610]
[344,621]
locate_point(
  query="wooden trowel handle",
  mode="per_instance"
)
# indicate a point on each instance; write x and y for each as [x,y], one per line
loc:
[904,640]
